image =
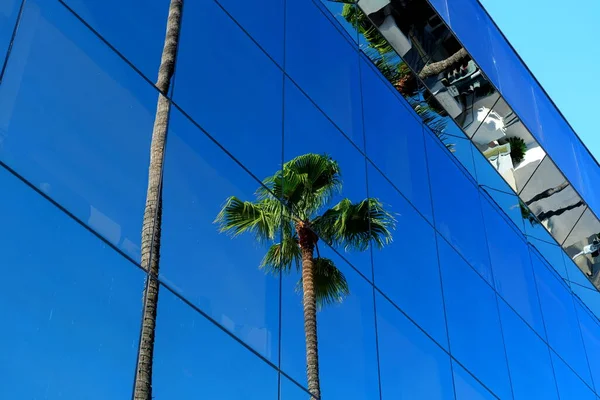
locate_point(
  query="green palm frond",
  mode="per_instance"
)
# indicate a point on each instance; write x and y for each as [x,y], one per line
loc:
[282,256]
[262,218]
[365,27]
[330,283]
[353,225]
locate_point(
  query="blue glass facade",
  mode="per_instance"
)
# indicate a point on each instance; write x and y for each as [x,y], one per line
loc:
[481,294]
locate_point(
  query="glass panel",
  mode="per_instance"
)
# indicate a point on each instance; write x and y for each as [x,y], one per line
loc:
[552,254]
[589,297]
[461,148]
[455,201]
[9,10]
[564,335]
[528,359]
[575,276]
[412,366]
[407,270]
[473,322]
[292,391]
[216,272]
[583,245]
[441,7]
[53,119]
[487,175]
[394,137]
[508,146]
[263,20]
[140,42]
[307,131]
[466,387]
[346,336]
[327,70]
[345,13]
[508,203]
[570,386]
[218,94]
[590,332]
[552,200]
[70,307]
[511,266]
[195,358]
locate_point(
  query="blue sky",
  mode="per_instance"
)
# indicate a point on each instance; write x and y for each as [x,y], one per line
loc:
[558,41]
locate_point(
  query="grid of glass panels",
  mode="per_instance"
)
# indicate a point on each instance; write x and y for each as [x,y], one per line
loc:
[458,305]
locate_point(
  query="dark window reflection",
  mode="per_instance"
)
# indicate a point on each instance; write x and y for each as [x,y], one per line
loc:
[412,366]
[70,305]
[194,358]
[407,270]
[473,321]
[528,359]
[583,246]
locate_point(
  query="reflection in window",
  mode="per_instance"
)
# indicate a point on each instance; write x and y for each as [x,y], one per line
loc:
[412,366]
[590,334]
[466,387]
[70,305]
[194,358]
[583,246]
[570,386]
[528,359]
[8,18]
[473,322]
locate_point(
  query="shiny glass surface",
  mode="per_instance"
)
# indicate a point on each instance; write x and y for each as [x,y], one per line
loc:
[217,273]
[9,10]
[570,386]
[342,12]
[411,365]
[466,387]
[583,245]
[407,270]
[528,359]
[590,334]
[203,360]
[550,253]
[70,306]
[95,167]
[473,323]
[508,203]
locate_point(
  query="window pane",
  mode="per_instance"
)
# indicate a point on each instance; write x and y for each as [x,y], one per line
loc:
[215,271]
[412,366]
[195,358]
[570,386]
[346,336]
[327,70]
[140,42]
[9,10]
[564,335]
[528,359]
[466,387]
[583,244]
[473,322]
[291,391]
[308,131]
[70,306]
[512,270]
[407,270]
[508,205]
[456,200]
[79,131]
[552,254]
[238,104]
[590,332]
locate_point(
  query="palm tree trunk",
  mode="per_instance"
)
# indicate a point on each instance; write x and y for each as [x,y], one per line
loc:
[548,192]
[307,240]
[440,66]
[554,213]
[153,210]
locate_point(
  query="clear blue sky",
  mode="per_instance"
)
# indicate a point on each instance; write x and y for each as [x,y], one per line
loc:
[558,41]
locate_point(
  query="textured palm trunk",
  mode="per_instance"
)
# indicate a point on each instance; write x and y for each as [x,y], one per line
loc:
[440,66]
[153,210]
[307,240]
[548,192]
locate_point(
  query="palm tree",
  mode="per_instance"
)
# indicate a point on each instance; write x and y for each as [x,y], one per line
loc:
[289,209]
[150,251]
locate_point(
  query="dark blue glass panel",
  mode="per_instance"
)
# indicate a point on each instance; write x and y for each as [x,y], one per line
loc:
[140,42]
[407,270]
[394,137]
[307,130]
[9,10]
[552,254]
[195,358]
[215,271]
[590,333]
[590,297]
[347,350]
[326,69]
[232,91]
[471,26]
[511,266]
[575,275]
[455,201]
[70,305]
[441,6]
[473,322]
[338,11]
[466,387]
[263,20]
[564,334]
[570,386]
[292,391]
[460,147]
[78,130]
[528,359]
[507,204]
[412,366]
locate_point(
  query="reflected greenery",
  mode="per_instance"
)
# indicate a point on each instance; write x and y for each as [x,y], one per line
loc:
[518,148]
[289,208]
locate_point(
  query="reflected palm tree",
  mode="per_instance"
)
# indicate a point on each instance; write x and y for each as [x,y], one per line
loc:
[547,193]
[150,245]
[555,213]
[289,209]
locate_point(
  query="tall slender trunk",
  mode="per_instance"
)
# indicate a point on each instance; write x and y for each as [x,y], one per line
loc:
[307,240]
[151,228]
[438,67]
[554,213]
[548,192]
